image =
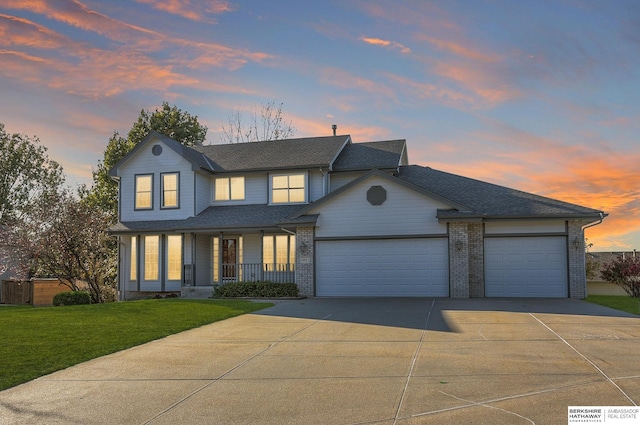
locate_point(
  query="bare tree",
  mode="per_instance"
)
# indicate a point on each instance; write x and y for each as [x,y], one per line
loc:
[271,126]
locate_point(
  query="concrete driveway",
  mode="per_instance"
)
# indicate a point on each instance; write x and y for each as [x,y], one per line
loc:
[357,361]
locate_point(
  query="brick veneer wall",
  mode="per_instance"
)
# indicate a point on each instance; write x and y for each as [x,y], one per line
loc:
[577,271]
[458,260]
[304,261]
[476,259]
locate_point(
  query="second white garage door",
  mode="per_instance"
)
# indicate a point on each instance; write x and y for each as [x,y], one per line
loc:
[526,267]
[383,268]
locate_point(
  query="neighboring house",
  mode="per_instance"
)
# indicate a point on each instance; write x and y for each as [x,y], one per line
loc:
[339,219]
[602,258]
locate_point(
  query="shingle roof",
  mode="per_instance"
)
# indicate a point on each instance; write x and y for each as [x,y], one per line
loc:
[365,156]
[483,199]
[276,154]
[222,218]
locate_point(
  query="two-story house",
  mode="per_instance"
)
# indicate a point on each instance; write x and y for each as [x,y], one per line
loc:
[339,219]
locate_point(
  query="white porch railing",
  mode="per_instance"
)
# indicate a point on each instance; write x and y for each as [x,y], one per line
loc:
[254,272]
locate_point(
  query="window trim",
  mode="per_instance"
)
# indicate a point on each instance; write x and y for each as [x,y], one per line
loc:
[230,198]
[135,198]
[305,188]
[162,191]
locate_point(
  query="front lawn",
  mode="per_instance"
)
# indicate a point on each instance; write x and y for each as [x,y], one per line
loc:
[619,302]
[38,341]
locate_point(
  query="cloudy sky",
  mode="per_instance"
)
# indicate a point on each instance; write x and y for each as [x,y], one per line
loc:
[542,96]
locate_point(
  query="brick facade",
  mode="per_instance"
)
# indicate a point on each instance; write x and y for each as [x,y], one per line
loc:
[476,260]
[576,256]
[458,260]
[305,261]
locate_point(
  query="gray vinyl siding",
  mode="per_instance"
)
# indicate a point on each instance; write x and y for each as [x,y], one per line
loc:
[252,248]
[315,179]
[525,226]
[337,180]
[203,262]
[405,212]
[203,192]
[144,162]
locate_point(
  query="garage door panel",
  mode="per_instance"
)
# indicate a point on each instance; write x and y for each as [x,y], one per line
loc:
[526,267]
[405,267]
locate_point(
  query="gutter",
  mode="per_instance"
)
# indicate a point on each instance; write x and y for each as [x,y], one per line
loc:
[595,223]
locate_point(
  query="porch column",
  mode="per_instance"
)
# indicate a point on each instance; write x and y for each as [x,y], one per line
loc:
[305,261]
[220,259]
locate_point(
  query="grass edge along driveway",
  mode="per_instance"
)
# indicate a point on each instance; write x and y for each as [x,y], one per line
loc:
[618,302]
[38,341]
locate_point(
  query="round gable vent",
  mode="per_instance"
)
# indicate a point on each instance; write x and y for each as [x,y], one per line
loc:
[156,150]
[376,195]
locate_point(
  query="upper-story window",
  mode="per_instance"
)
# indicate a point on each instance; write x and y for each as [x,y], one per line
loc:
[229,189]
[170,193]
[288,188]
[144,189]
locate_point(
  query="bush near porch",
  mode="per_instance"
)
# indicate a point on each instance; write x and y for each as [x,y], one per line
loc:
[256,290]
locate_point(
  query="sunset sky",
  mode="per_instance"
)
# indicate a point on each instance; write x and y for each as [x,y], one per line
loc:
[542,96]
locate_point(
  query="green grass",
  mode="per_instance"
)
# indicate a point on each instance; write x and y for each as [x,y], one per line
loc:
[38,341]
[619,302]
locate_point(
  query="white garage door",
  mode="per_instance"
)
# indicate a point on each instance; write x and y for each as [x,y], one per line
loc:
[383,268]
[526,267]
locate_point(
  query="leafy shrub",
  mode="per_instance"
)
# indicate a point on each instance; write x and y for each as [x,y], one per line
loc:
[624,272]
[255,289]
[72,298]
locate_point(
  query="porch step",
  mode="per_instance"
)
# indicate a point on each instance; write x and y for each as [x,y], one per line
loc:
[196,292]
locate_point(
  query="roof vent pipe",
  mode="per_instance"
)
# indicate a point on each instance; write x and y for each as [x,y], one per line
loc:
[334,128]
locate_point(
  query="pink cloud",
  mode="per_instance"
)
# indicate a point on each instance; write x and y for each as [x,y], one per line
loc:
[340,78]
[79,68]
[461,49]
[440,93]
[386,43]
[76,14]
[486,84]
[195,11]
[15,31]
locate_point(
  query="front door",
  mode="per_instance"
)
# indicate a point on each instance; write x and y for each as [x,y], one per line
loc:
[229,258]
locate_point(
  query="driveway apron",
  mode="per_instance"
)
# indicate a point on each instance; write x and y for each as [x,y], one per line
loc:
[356,361]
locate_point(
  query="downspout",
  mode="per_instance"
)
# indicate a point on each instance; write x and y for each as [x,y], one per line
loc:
[595,223]
[324,182]
[119,275]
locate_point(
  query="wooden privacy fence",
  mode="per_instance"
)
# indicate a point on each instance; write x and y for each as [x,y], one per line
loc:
[16,292]
[38,292]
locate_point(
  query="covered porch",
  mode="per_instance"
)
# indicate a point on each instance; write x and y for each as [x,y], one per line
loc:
[219,258]
[220,245]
